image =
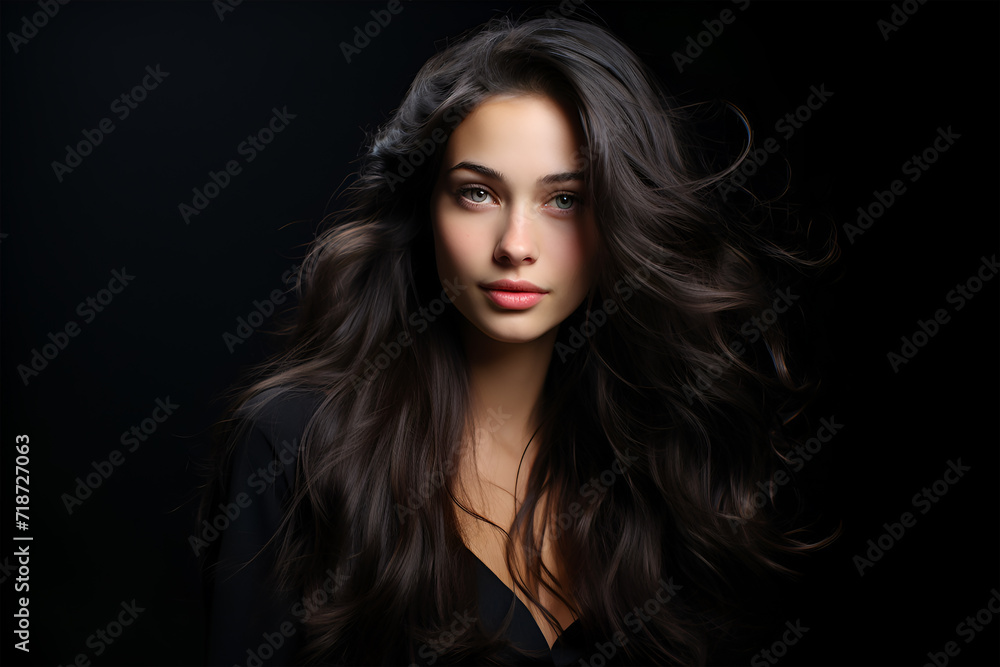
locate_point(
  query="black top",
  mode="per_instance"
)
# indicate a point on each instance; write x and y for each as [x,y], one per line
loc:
[248,625]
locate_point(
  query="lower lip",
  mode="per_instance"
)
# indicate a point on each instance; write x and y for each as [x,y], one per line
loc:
[514,300]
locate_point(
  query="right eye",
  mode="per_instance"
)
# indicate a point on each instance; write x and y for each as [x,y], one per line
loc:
[475,194]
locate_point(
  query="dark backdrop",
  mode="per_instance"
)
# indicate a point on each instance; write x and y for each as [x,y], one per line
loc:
[161,336]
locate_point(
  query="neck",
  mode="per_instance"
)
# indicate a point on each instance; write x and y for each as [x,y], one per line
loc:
[506,381]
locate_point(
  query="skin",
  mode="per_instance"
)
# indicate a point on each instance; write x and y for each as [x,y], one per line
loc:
[496,216]
[515,228]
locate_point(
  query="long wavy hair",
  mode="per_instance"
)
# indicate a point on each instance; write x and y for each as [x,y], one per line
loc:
[644,373]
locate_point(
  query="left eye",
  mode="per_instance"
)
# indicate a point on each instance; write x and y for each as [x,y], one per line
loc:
[564,201]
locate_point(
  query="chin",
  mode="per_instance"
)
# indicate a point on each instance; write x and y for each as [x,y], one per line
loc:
[513,339]
[511,332]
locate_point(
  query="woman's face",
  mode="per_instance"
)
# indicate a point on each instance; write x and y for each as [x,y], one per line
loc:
[510,205]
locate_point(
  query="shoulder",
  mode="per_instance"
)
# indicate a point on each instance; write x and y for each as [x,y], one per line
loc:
[271,428]
[281,410]
[243,530]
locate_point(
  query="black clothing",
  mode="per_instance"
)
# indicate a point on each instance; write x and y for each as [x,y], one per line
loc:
[244,614]
[249,626]
[494,601]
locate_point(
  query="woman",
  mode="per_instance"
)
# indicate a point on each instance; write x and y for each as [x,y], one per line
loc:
[517,421]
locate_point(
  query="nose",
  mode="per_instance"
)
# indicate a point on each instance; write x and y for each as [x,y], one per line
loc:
[518,244]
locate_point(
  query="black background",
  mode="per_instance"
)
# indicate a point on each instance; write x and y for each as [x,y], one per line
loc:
[162,336]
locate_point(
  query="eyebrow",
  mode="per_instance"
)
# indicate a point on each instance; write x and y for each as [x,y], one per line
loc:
[489,172]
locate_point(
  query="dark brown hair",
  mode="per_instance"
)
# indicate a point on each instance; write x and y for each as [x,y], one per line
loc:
[645,374]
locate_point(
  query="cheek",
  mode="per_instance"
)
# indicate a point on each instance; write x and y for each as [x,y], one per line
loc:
[454,246]
[441,231]
[574,251]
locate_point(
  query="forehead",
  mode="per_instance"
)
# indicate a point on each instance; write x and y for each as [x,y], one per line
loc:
[517,133]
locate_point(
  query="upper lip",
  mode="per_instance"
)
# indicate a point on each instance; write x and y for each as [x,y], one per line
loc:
[513,286]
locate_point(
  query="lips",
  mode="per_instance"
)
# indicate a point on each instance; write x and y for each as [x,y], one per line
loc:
[513,294]
[513,286]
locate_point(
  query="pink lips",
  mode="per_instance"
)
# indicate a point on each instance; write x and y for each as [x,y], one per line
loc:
[513,294]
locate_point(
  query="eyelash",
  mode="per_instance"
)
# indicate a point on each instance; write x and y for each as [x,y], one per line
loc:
[468,203]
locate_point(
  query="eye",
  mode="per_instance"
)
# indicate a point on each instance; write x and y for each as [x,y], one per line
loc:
[564,201]
[475,194]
